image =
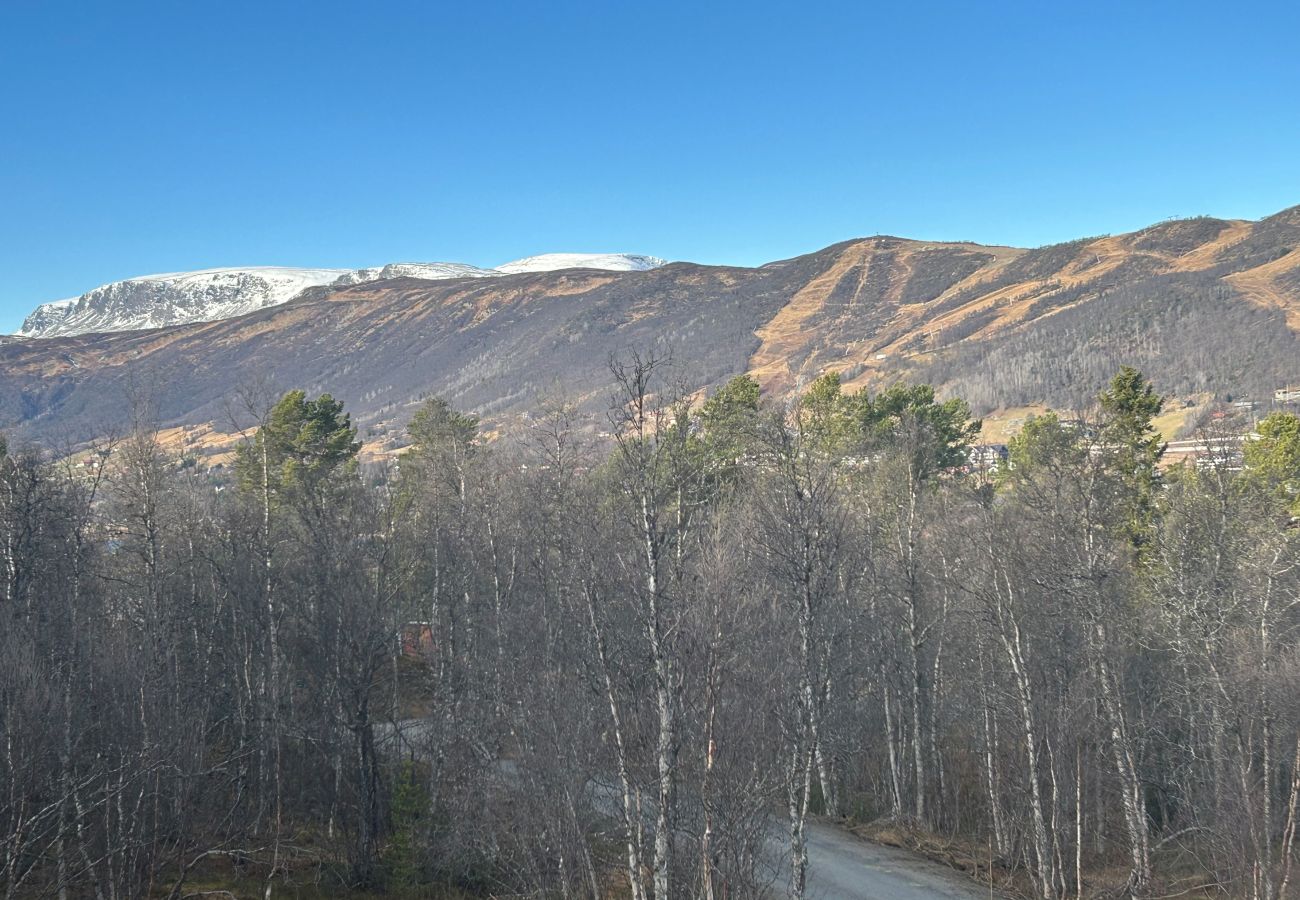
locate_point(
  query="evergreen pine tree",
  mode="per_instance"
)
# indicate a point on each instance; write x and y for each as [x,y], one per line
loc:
[1133,449]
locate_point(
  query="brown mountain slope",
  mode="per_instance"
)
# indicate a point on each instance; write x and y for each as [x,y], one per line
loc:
[1202,304]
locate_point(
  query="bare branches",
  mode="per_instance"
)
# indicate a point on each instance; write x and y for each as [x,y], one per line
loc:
[572,660]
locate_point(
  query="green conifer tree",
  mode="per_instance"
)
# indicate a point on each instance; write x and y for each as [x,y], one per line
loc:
[1272,457]
[305,442]
[1133,448]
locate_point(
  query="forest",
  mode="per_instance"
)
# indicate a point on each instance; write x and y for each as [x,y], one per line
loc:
[1190,327]
[637,657]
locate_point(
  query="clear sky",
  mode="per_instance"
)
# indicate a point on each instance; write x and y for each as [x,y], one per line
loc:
[152,137]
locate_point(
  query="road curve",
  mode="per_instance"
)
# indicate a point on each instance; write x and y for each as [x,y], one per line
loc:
[842,866]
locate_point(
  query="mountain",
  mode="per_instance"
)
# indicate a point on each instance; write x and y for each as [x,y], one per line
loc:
[153,301]
[1204,306]
[610,262]
[48,318]
[178,298]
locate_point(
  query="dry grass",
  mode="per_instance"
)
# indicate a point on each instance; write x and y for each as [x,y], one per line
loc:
[1176,878]
[233,888]
[312,869]
[1002,425]
[955,853]
[1178,414]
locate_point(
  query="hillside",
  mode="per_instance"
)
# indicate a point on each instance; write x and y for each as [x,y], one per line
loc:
[209,295]
[1204,305]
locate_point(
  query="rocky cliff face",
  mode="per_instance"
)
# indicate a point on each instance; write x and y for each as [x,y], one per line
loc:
[155,301]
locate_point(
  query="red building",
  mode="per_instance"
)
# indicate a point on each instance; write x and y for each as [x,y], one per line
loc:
[416,640]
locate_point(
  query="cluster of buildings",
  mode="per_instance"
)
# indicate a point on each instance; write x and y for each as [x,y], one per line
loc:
[1219,452]
[1224,453]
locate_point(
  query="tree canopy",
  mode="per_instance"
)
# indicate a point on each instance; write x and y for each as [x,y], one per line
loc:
[1272,456]
[302,442]
[438,426]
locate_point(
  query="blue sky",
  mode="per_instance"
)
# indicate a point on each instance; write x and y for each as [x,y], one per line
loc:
[149,137]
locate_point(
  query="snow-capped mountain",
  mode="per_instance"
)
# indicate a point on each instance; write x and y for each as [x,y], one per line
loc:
[175,298]
[179,298]
[610,262]
[547,262]
[428,271]
[48,318]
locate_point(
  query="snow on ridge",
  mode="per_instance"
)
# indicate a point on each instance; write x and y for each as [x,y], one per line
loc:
[609,262]
[205,295]
[47,317]
[432,271]
[278,272]
[173,298]
[546,262]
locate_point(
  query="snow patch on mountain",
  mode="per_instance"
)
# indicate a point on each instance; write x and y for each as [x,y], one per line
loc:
[428,271]
[610,262]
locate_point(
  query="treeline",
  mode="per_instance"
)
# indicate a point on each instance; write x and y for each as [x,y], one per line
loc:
[549,665]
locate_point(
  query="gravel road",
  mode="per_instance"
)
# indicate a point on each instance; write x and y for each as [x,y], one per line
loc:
[842,866]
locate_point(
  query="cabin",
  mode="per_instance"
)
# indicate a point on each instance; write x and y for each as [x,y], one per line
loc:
[987,457]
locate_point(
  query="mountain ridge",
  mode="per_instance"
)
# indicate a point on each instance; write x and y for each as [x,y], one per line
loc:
[1205,306]
[206,295]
